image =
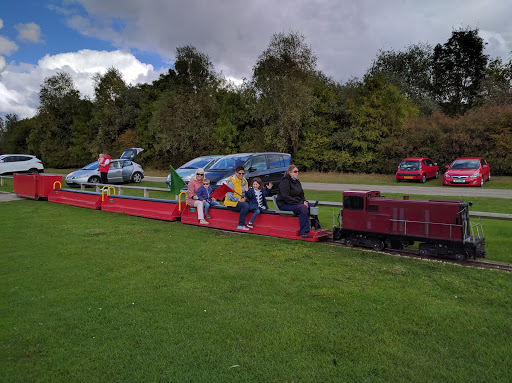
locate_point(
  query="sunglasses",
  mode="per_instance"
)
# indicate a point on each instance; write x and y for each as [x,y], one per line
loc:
[200,174]
[241,173]
[206,184]
[295,171]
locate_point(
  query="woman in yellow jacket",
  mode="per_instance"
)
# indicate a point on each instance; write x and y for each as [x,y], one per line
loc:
[237,201]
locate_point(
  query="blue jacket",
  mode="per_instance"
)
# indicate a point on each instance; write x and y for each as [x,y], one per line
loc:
[204,194]
[251,198]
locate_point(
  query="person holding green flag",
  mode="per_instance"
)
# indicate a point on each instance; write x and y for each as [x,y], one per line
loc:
[176,182]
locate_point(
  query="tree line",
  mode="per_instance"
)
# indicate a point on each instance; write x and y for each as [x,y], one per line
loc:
[443,102]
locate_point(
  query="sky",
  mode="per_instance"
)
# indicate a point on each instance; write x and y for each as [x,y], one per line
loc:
[39,38]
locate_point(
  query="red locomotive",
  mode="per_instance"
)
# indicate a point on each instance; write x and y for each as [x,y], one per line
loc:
[442,227]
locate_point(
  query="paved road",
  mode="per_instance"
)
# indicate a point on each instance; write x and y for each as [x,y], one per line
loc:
[402,189]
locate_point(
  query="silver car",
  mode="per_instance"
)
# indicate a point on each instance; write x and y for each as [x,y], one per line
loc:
[120,171]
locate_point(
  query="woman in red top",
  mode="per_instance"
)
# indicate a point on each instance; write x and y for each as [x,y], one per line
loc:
[192,199]
[104,160]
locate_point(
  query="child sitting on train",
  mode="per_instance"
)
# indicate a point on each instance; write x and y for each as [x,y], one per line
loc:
[256,198]
[204,194]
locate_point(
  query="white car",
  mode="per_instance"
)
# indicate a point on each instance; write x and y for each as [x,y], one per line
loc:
[20,163]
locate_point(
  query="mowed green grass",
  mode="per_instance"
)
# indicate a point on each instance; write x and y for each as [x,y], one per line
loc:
[90,296]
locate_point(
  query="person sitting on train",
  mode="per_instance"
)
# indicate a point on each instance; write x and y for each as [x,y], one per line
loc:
[256,198]
[290,197]
[204,193]
[237,200]
[192,199]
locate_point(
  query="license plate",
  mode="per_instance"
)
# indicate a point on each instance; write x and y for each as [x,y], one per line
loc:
[459,181]
[408,177]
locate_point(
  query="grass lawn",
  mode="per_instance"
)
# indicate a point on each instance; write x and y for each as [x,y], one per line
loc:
[90,296]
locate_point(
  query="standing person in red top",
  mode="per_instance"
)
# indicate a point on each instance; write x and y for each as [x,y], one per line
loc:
[104,160]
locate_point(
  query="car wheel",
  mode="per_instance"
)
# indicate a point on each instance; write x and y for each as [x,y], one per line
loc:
[437,175]
[482,181]
[136,177]
[33,171]
[423,178]
[398,180]
[489,178]
[94,180]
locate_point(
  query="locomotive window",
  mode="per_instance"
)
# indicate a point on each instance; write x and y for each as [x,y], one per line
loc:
[373,209]
[353,203]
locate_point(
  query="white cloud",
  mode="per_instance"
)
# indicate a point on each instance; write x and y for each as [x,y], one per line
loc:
[20,84]
[346,35]
[7,47]
[30,32]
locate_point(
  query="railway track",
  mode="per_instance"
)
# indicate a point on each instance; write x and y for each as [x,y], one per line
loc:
[492,265]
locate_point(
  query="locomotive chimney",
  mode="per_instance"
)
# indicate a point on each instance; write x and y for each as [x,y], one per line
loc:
[406,197]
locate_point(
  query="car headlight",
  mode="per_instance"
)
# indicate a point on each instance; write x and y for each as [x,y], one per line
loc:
[475,175]
[446,175]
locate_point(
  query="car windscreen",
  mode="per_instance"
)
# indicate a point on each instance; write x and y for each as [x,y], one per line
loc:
[196,163]
[465,164]
[229,163]
[409,165]
[92,166]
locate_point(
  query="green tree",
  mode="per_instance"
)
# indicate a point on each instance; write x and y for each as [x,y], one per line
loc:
[411,72]
[377,112]
[108,118]
[458,70]
[59,103]
[497,85]
[283,78]
[183,117]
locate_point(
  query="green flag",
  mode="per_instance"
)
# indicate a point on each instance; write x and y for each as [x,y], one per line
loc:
[176,182]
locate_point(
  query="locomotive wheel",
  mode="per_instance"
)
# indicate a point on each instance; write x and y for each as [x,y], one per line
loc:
[460,257]
[379,245]
[349,242]
[423,252]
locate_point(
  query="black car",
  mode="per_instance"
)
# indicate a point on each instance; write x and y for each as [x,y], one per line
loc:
[270,167]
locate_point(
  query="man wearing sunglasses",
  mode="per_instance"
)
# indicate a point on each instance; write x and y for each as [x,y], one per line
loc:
[237,201]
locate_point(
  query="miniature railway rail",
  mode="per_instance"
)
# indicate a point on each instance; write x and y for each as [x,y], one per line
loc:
[493,265]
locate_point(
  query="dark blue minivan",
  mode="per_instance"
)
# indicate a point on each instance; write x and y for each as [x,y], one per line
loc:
[270,167]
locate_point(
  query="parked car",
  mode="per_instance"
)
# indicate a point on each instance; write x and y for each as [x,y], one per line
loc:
[19,163]
[270,167]
[187,170]
[120,171]
[467,171]
[417,169]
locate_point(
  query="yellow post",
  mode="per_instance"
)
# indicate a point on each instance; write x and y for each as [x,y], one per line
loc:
[179,199]
[108,191]
[57,182]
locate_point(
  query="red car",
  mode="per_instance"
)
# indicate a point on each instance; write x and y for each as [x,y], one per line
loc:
[419,169]
[467,171]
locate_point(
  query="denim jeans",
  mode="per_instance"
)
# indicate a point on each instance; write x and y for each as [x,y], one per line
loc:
[303,212]
[243,208]
[254,215]
[207,206]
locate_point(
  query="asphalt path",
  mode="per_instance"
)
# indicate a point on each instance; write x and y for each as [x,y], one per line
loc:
[400,189]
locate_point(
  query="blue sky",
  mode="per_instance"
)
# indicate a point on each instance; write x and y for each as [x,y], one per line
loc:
[139,38]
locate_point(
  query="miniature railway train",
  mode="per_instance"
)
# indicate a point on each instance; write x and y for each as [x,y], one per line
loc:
[368,219]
